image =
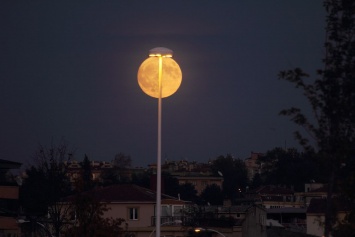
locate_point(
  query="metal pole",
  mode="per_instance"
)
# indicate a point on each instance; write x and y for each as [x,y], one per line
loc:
[158,203]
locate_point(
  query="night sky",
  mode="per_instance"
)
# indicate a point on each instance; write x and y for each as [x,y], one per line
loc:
[68,70]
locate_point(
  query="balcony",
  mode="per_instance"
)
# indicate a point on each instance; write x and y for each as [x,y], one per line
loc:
[196,221]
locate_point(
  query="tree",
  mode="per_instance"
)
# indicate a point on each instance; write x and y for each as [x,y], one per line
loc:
[142,179]
[234,174]
[90,222]
[88,209]
[87,181]
[122,161]
[46,183]
[257,181]
[171,184]
[288,167]
[212,194]
[187,192]
[332,98]
[109,176]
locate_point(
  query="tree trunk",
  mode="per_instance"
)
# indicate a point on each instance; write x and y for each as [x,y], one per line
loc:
[329,215]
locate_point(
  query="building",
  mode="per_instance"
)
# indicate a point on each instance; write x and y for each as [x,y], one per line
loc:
[137,206]
[271,197]
[200,182]
[253,165]
[9,195]
[254,224]
[282,205]
[99,169]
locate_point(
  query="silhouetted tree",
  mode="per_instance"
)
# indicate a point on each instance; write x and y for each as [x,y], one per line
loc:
[288,167]
[235,175]
[187,192]
[90,219]
[212,194]
[171,184]
[85,181]
[257,181]
[142,179]
[110,176]
[332,98]
[46,183]
[122,161]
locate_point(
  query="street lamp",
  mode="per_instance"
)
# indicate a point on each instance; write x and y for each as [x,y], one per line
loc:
[199,229]
[159,76]
[48,233]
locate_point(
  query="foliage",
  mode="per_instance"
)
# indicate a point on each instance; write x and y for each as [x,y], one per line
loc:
[109,176]
[45,184]
[212,194]
[331,96]
[122,161]
[288,167]
[234,174]
[188,192]
[89,218]
[257,181]
[142,179]
[193,214]
[89,210]
[86,179]
[171,185]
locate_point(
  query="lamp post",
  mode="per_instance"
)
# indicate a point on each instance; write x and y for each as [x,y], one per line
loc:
[197,230]
[48,233]
[159,76]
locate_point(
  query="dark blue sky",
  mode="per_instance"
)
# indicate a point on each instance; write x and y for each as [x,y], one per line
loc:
[68,69]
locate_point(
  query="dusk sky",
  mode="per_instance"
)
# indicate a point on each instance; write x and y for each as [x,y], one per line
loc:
[68,70]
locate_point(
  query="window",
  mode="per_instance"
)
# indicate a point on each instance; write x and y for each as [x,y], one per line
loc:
[133,213]
[165,210]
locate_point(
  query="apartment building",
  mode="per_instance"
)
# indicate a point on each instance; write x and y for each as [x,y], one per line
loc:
[252,164]
[200,182]
[9,195]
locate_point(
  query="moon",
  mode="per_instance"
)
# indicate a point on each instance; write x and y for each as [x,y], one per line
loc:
[148,76]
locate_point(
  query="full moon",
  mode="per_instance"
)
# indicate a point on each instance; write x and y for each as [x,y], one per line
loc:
[148,76]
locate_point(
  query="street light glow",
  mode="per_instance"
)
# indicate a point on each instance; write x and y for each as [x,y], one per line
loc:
[160,52]
[199,229]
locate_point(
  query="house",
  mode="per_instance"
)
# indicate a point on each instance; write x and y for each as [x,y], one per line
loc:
[9,195]
[291,218]
[282,205]
[271,197]
[314,190]
[255,222]
[137,206]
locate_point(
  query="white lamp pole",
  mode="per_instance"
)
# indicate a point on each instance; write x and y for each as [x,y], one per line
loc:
[169,80]
[158,203]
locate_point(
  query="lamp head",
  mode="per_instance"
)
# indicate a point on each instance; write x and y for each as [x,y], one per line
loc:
[199,229]
[161,52]
[148,73]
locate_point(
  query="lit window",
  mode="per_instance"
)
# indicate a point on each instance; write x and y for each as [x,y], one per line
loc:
[133,213]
